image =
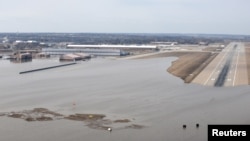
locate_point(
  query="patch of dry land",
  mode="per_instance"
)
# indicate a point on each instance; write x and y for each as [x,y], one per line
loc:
[188,65]
[94,121]
[247,51]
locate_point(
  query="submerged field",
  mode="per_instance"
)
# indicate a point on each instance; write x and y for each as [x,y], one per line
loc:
[136,98]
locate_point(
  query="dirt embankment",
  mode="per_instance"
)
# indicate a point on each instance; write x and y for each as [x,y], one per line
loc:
[247,51]
[189,64]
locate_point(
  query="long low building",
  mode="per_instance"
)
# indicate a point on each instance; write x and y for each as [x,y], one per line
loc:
[114,46]
[95,52]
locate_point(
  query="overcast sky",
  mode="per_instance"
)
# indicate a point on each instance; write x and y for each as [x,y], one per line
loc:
[126,16]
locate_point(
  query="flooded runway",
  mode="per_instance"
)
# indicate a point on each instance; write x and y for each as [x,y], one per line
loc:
[139,90]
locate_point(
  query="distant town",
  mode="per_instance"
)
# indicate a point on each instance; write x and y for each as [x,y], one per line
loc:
[80,46]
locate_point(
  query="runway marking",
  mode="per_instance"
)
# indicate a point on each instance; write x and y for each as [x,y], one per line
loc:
[216,67]
[236,68]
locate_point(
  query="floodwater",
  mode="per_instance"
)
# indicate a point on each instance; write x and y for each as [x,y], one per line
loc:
[139,90]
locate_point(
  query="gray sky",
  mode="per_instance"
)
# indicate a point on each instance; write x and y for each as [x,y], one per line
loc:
[126,16]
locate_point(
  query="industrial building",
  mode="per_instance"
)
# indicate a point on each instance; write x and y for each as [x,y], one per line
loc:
[42,55]
[83,55]
[23,56]
[74,57]
[101,50]
[164,43]
[95,52]
[124,49]
[114,46]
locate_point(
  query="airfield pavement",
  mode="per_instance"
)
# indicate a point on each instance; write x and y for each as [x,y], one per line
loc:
[229,68]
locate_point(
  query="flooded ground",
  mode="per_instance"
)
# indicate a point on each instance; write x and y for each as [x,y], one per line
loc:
[140,91]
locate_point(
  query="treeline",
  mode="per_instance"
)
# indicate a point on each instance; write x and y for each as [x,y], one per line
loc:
[102,38]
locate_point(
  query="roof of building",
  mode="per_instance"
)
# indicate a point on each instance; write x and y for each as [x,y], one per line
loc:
[112,46]
[82,54]
[71,55]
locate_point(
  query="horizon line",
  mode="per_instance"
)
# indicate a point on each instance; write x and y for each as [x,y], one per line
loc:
[227,34]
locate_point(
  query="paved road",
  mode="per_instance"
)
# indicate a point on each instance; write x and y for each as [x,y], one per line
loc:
[227,69]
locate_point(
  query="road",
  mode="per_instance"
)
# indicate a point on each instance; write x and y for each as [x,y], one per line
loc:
[227,69]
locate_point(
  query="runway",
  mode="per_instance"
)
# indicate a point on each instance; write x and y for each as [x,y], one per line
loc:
[227,69]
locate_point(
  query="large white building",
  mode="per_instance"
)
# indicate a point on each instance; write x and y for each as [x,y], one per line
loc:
[90,51]
[114,46]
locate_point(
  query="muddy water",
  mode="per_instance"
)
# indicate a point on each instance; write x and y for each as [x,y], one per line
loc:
[139,90]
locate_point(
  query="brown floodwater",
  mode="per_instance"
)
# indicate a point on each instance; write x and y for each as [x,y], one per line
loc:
[140,91]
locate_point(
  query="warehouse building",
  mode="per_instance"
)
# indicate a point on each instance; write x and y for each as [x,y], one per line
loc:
[95,52]
[74,57]
[42,55]
[23,56]
[114,46]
